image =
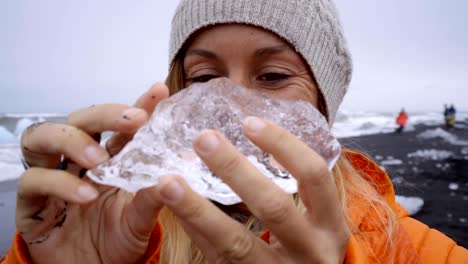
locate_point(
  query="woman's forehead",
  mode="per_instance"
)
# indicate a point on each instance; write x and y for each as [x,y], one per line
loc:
[236,34]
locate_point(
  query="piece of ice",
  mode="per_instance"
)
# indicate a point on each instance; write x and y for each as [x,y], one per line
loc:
[431,154]
[464,151]
[391,162]
[446,136]
[164,145]
[412,204]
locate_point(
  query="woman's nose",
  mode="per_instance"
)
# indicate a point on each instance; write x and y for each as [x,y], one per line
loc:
[239,78]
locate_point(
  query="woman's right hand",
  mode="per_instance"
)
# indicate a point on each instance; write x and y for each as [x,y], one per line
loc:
[65,219]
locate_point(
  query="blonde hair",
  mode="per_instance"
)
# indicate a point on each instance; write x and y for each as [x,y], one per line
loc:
[178,248]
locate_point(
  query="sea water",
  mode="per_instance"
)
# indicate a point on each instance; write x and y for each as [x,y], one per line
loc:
[347,124]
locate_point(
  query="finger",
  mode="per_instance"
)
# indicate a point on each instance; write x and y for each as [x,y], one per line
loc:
[316,186]
[142,212]
[147,102]
[228,237]
[42,196]
[39,156]
[108,117]
[272,206]
[152,97]
[39,182]
[43,145]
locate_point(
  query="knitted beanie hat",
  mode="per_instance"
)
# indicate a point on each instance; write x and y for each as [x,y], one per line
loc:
[310,26]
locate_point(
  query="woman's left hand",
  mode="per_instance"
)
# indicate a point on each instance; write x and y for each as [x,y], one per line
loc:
[320,235]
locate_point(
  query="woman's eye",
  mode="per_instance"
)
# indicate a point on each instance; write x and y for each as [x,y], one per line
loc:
[273,77]
[203,78]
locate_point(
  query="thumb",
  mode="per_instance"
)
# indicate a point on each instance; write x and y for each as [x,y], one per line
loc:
[142,213]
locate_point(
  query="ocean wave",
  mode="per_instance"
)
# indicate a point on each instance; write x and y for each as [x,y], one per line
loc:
[6,137]
[31,115]
[13,125]
[10,162]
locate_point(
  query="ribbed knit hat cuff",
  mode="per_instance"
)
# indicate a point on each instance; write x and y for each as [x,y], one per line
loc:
[311,29]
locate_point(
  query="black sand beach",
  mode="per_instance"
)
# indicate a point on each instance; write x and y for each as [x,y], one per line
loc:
[444,209]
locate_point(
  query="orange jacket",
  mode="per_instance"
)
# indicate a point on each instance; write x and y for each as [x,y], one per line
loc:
[414,241]
[402,119]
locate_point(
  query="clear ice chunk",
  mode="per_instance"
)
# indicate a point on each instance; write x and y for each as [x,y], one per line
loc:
[164,144]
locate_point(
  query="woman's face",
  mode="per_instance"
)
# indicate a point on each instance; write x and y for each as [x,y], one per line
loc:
[252,57]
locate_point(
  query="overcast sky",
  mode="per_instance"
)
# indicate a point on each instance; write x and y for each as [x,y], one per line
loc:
[57,56]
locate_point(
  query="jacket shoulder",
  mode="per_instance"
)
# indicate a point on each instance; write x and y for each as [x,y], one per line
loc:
[432,245]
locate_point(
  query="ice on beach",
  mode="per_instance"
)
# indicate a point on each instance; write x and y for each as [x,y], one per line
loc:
[464,151]
[412,204]
[400,182]
[444,135]
[391,162]
[431,154]
[453,186]
[164,144]
[444,166]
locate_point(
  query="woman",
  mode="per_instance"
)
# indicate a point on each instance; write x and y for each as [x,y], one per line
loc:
[287,49]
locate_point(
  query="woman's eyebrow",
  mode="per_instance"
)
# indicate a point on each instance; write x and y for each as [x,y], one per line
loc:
[202,53]
[272,50]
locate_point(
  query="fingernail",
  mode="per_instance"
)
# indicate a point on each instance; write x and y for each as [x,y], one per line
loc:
[130,113]
[208,142]
[86,193]
[171,191]
[254,124]
[95,155]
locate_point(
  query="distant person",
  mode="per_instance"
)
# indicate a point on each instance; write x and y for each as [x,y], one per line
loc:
[451,111]
[401,121]
[446,115]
